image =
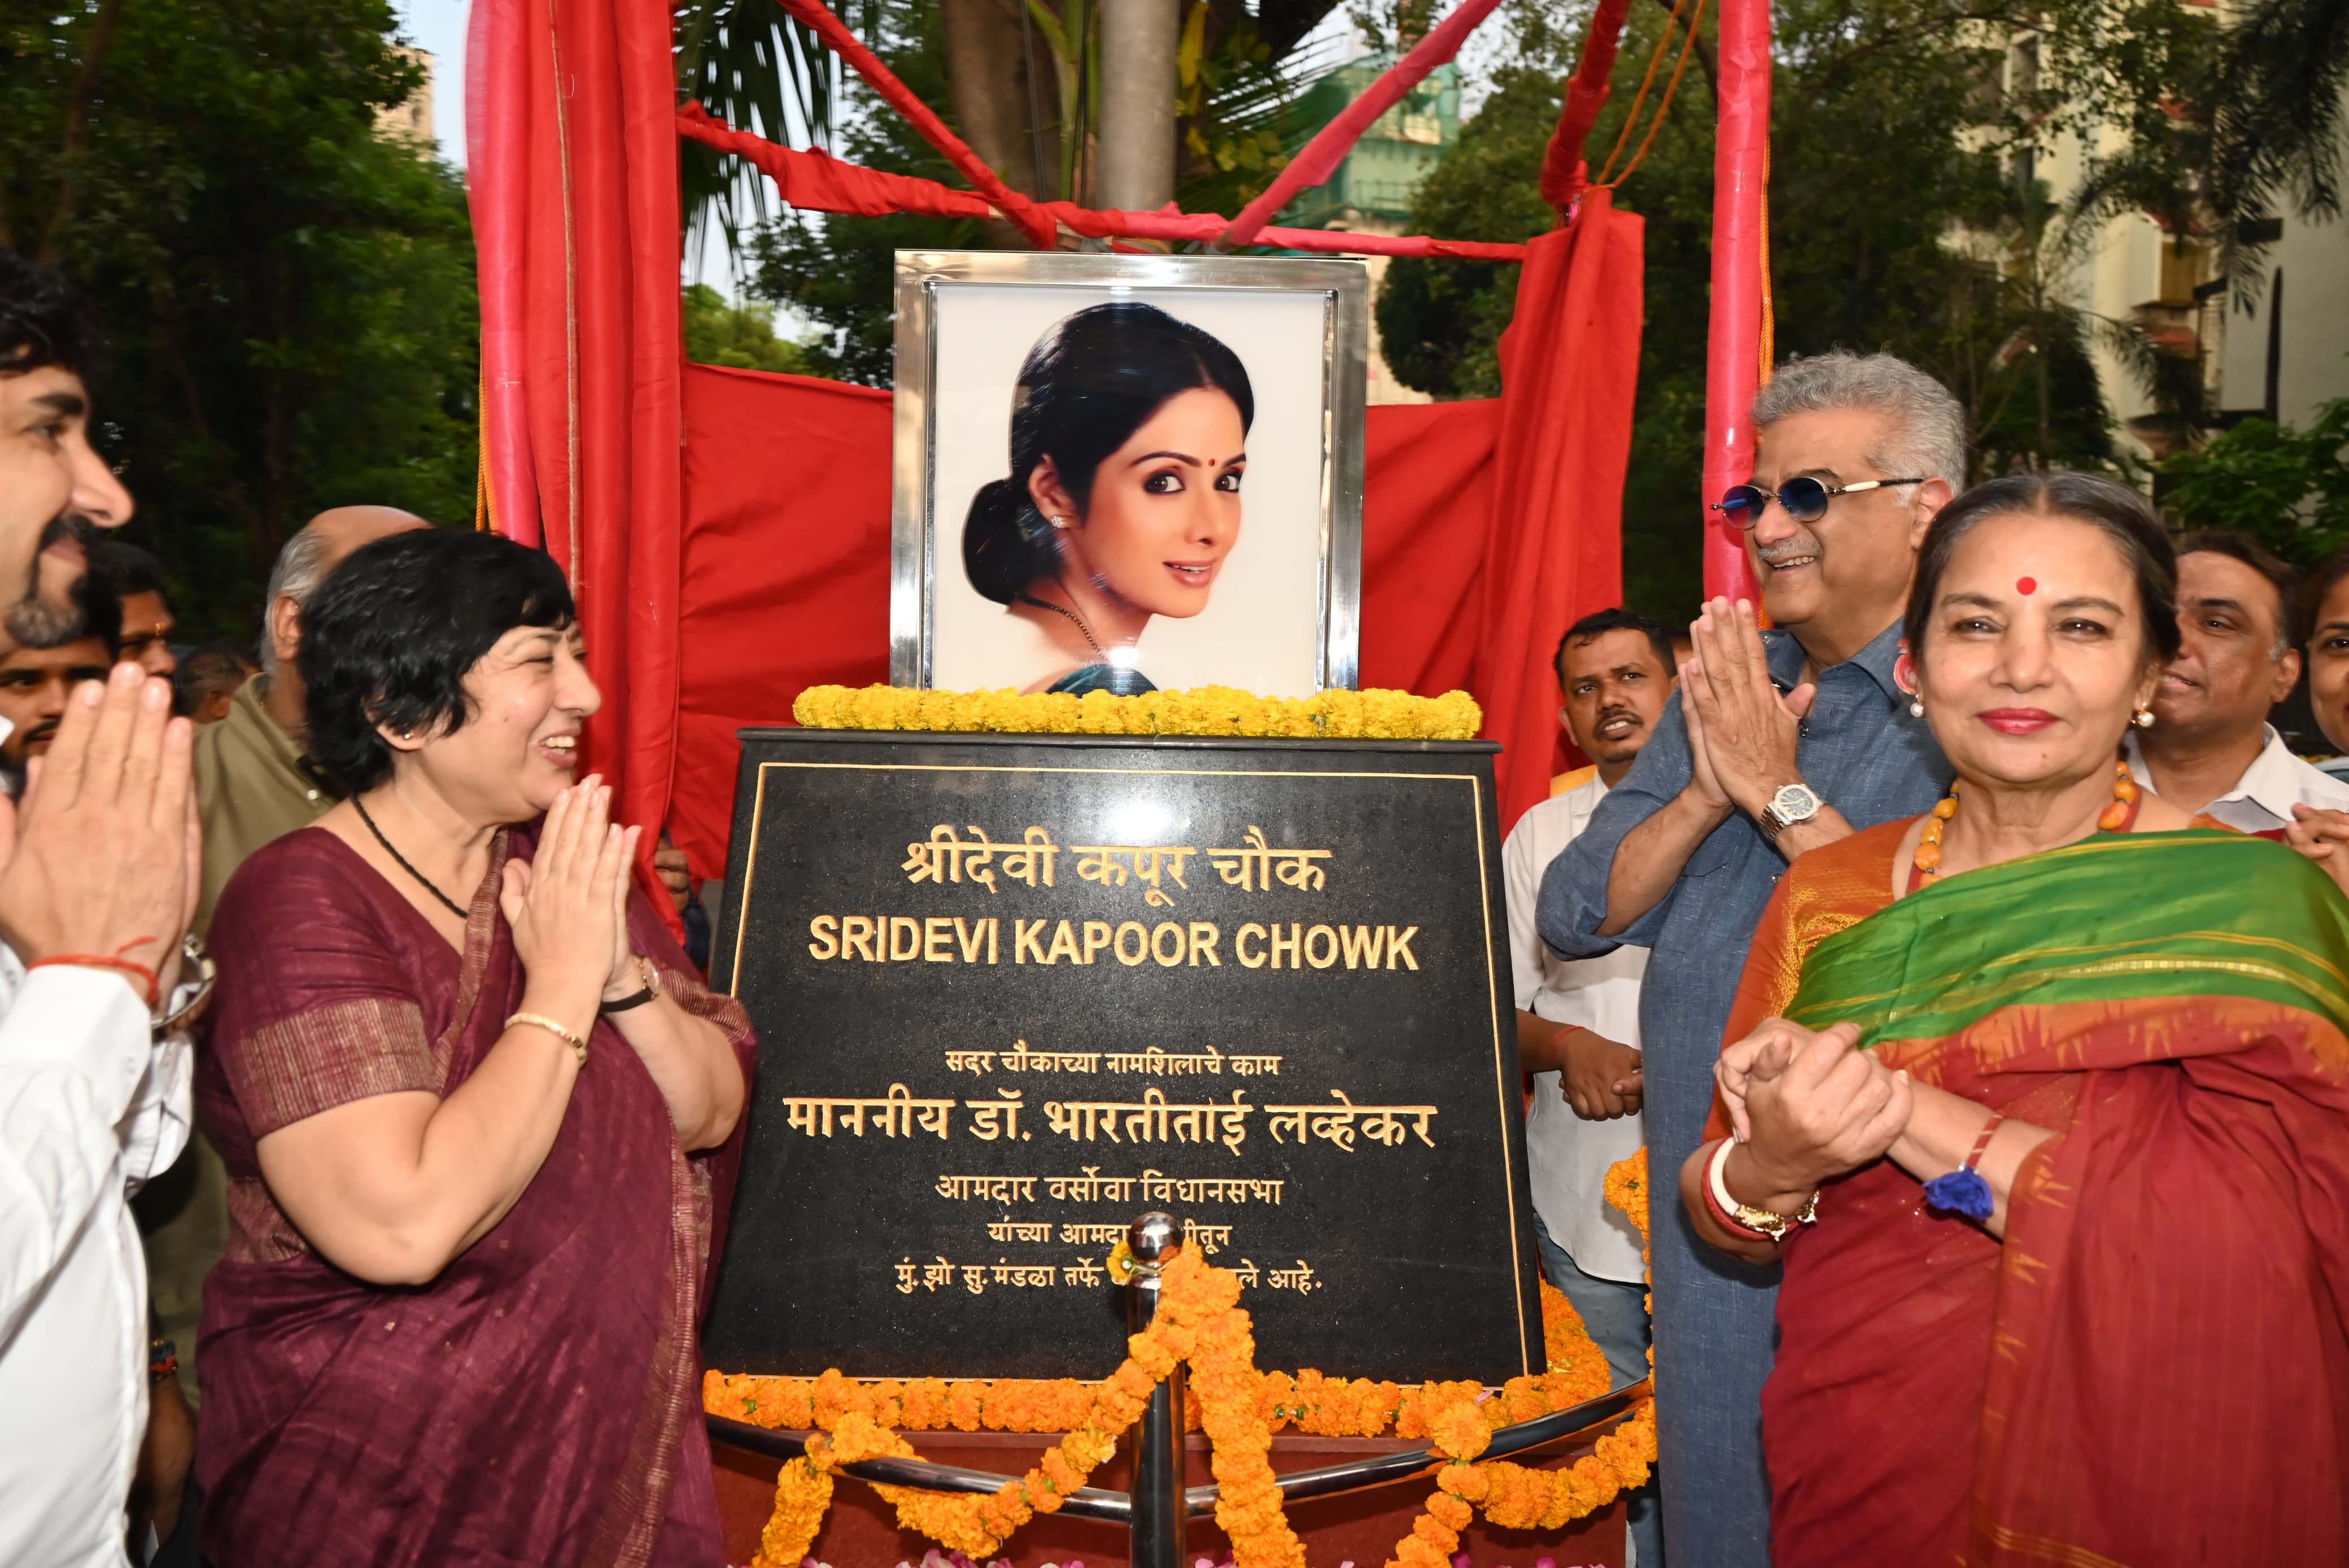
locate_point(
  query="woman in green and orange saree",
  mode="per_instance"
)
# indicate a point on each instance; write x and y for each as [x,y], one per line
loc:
[2043,1101]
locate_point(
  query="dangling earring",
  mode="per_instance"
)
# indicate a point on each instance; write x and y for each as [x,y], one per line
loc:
[1904,676]
[2144,718]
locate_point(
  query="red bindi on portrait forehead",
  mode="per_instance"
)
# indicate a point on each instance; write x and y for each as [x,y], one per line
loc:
[2026,586]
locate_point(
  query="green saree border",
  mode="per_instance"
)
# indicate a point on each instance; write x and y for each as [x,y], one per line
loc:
[2117,917]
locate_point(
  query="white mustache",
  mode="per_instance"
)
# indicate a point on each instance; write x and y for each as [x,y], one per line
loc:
[1789,550]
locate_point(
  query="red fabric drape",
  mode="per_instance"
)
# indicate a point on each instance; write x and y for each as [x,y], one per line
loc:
[786,569]
[814,180]
[578,173]
[836,37]
[1320,158]
[822,183]
[1564,176]
[1569,368]
[1733,367]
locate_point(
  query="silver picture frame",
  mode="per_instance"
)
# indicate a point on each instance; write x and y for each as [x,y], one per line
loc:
[916,537]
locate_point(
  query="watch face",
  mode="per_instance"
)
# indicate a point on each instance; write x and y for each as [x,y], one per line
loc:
[1794,803]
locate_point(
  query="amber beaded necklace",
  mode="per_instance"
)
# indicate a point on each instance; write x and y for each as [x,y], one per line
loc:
[1925,868]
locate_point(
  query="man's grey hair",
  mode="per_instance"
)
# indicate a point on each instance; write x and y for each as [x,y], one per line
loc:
[1926,434]
[301,567]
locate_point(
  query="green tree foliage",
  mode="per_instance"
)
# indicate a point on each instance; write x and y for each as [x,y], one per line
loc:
[2289,488]
[1890,137]
[742,336]
[289,294]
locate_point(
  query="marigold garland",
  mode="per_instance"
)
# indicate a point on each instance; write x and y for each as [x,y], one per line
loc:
[1199,1322]
[1376,715]
[1517,1497]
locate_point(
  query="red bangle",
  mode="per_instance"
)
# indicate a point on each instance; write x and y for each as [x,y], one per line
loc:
[95,961]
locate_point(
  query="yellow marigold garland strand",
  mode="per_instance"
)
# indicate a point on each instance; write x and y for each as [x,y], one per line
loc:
[1517,1497]
[1200,1322]
[1376,715]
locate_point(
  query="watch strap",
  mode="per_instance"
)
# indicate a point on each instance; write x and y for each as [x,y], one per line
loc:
[651,989]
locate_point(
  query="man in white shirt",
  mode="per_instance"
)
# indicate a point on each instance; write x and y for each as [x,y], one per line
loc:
[1578,1019]
[2210,748]
[96,886]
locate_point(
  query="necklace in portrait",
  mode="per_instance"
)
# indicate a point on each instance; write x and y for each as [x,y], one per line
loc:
[1099,651]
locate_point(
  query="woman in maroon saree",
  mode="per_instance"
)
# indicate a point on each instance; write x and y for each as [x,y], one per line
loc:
[456,1323]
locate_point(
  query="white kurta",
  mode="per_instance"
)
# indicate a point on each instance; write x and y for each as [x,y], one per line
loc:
[1568,1157]
[90,1106]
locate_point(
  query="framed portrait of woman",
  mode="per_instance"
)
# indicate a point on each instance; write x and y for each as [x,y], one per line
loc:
[1127,473]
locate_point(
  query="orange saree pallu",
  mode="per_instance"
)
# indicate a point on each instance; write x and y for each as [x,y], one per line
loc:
[2154,1367]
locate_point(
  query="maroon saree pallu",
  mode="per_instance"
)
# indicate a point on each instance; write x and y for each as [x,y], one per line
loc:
[536,1403]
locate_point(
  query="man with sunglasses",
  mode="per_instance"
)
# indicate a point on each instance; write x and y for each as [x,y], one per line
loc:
[1780,741]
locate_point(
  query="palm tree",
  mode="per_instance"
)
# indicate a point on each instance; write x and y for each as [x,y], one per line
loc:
[2274,126]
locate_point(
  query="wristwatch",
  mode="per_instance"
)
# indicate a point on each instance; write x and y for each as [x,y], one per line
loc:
[651,977]
[1792,803]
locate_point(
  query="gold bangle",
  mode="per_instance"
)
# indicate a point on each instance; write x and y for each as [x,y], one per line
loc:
[541,1021]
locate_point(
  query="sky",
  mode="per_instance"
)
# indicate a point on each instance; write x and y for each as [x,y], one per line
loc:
[438,27]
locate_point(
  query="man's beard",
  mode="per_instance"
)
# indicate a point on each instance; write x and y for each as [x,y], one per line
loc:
[36,620]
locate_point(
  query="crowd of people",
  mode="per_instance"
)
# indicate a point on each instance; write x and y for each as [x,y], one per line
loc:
[2011,1216]
[363,868]
[1954,930]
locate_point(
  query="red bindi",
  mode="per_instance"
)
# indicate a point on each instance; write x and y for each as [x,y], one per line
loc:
[2026,586]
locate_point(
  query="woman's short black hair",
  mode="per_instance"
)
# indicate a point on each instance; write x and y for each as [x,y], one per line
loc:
[389,636]
[2125,518]
[1090,382]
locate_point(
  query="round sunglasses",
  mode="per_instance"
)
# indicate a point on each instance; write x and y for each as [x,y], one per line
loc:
[1805,498]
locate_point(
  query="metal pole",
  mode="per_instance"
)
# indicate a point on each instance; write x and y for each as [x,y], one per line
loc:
[1158,1503]
[1138,42]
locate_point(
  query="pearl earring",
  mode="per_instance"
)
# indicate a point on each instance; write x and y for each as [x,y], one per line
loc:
[1916,707]
[2144,718]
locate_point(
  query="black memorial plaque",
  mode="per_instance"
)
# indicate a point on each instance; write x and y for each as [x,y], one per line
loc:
[1013,991]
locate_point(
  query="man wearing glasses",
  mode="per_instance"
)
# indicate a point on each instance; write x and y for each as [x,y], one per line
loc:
[1800,736]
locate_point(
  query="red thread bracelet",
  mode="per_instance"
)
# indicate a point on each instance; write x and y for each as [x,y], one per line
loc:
[95,961]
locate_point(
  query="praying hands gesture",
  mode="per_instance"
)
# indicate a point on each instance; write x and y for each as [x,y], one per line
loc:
[1742,733]
[102,858]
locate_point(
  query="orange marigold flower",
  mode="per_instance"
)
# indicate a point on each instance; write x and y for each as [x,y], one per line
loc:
[1464,1480]
[1460,1431]
[1436,1533]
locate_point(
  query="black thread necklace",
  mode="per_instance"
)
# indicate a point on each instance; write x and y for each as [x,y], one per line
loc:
[458,910]
[1063,610]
